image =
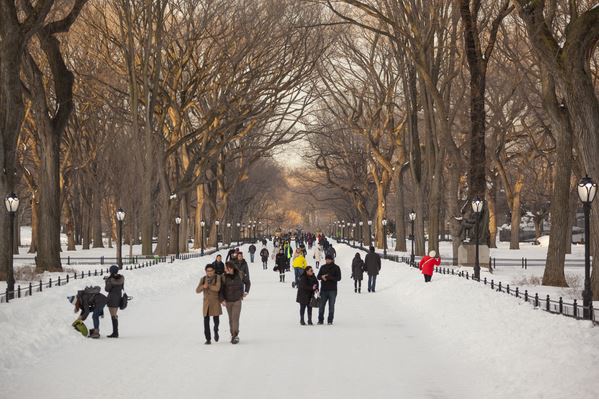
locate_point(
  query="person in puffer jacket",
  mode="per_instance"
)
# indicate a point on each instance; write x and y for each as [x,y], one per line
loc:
[114,286]
[90,300]
[427,265]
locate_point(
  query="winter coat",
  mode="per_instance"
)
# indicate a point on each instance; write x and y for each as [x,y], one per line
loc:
[299,262]
[252,248]
[281,262]
[318,253]
[233,286]
[243,267]
[264,255]
[90,299]
[114,287]
[211,295]
[219,267]
[427,264]
[333,273]
[305,289]
[357,269]
[372,261]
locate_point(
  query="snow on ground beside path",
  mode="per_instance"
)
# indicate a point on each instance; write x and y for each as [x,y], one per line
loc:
[448,338]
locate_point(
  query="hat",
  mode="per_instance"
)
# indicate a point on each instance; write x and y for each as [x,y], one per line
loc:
[72,299]
[432,254]
[114,269]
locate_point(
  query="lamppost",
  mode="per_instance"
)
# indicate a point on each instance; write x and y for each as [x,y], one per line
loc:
[217,224]
[120,216]
[254,227]
[238,233]
[370,231]
[477,207]
[412,217]
[353,233]
[385,237]
[361,234]
[342,230]
[178,223]
[12,205]
[203,224]
[587,190]
[230,236]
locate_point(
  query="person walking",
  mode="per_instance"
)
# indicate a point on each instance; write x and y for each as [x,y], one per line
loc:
[264,256]
[219,266]
[288,251]
[114,286]
[89,300]
[299,264]
[210,285]
[427,265]
[242,265]
[235,287]
[329,274]
[357,272]
[306,289]
[280,265]
[252,252]
[372,261]
[318,253]
[330,251]
[232,254]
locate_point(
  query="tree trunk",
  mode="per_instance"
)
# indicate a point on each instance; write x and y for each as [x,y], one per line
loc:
[34,225]
[516,216]
[492,204]
[70,227]
[98,241]
[200,200]
[400,216]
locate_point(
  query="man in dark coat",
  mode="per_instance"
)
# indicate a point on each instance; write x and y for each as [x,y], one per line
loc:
[264,256]
[219,266]
[373,267]
[235,287]
[252,252]
[328,274]
[242,265]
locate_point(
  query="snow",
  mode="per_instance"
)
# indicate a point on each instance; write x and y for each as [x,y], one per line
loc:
[448,338]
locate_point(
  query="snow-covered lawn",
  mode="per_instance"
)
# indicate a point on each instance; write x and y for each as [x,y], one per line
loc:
[447,338]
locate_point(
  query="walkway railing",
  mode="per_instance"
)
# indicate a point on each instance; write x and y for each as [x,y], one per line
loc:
[569,309]
[22,291]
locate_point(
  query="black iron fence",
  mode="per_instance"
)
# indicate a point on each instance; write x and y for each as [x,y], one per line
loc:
[22,291]
[101,260]
[559,306]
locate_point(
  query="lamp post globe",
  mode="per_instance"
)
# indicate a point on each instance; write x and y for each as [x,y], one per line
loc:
[203,225]
[587,190]
[477,207]
[11,202]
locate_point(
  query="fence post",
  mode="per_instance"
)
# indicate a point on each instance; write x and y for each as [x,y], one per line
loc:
[467,278]
[67,278]
[68,260]
[89,273]
[95,272]
[492,284]
[75,274]
[485,280]
[548,302]
[507,288]
[19,291]
[41,286]
[101,260]
[500,286]
[59,281]
[523,263]
[50,283]
[561,305]
[536,299]
[494,263]
[526,295]
[575,309]
[30,289]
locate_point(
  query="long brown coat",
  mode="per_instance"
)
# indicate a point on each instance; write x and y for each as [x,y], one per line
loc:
[211,302]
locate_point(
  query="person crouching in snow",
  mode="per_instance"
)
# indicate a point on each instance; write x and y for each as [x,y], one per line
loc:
[306,288]
[90,300]
[210,285]
[427,265]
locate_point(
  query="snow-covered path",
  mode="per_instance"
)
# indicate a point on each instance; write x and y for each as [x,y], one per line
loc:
[446,339]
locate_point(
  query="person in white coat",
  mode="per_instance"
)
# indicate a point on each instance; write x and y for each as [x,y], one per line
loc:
[318,252]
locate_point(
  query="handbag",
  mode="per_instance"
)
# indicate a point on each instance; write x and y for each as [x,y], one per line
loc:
[124,301]
[315,301]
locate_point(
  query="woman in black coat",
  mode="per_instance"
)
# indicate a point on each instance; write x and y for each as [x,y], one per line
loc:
[306,288]
[115,283]
[280,265]
[357,272]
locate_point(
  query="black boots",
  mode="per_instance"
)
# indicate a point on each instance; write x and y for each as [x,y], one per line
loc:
[216,334]
[115,327]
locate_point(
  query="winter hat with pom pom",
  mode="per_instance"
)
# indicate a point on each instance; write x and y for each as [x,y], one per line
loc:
[432,254]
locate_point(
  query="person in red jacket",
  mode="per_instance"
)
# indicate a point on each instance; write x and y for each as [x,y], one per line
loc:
[427,265]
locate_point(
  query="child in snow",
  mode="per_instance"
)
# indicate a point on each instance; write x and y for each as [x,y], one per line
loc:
[427,265]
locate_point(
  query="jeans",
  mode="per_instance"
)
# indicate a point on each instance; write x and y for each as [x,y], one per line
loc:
[264,264]
[207,326]
[303,308]
[298,274]
[371,282]
[427,278]
[96,317]
[330,297]
[252,257]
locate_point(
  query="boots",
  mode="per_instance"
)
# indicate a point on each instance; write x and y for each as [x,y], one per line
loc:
[216,337]
[93,333]
[115,327]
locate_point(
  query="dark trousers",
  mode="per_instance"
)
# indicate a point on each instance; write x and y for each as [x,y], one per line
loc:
[96,317]
[427,278]
[330,297]
[282,277]
[251,257]
[264,264]
[371,282]
[357,284]
[207,325]
[303,308]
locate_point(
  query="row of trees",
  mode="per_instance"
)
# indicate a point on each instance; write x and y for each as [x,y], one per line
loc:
[162,107]
[434,103]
